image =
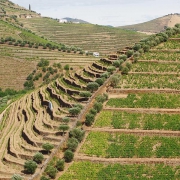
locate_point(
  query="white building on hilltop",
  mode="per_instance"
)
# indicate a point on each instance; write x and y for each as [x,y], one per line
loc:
[63,20]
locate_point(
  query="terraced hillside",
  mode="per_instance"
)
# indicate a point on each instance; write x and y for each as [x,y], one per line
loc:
[21,50]
[89,37]
[35,119]
[137,134]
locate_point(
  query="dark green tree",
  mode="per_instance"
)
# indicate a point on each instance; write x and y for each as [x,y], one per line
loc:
[68,155]
[74,111]
[30,167]
[47,147]
[72,144]
[16,177]
[60,164]
[77,133]
[92,86]
[63,127]
[38,157]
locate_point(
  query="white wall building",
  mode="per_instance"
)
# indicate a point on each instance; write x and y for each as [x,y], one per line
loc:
[62,20]
[95,54]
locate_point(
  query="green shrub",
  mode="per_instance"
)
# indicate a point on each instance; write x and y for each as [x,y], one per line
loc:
[114,80]
[68,155]
[102,98]
[44,178]
[105,75]
[43,63]
[92,86]
[129,53]
[110,69]
[66,67]
[125,70]
[47,147]
[136,47]
[98,106]
[72,144]
[93,111]
[38,157]
[16,177]
[60,164]
[51,171]
[65,119]
[63,127]
[90,116]
[128,65]
[123,57]
[100,81]
[30,167]
[85,94]
[74,111]
[80,106]
[77,133]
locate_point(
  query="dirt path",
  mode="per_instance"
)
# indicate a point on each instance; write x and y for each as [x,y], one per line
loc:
[137,132]
[145,110]
[168,161]
[117,91]
[68,165]
[159,61]
[155,73]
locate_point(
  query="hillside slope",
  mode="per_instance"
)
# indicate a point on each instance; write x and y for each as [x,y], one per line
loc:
[21,50]
[156,25]
[87,36]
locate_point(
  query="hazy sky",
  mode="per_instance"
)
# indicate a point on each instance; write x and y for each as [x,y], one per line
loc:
[104,12]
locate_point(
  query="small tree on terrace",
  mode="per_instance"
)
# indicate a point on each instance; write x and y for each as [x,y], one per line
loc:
[38,157]
[114,80]
[68,155]
[66,67]
[92,86]
[51,171]
[72,144]
[89,119]
[130,53]
[85,94]
[44,178]
[74,111]
[30,167]
[77,133]
[16,177]
[47,147]
[125,70]
[110,69]
[98,106]
[123,57]
[60,164]
[63,127]
[100,81]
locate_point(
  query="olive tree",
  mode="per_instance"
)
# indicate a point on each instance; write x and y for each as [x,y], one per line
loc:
[30,166]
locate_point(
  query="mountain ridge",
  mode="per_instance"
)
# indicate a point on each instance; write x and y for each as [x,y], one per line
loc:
[155,25]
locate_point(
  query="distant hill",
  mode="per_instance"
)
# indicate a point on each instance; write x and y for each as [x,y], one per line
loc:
[156,25]
[75,20]
[8,8]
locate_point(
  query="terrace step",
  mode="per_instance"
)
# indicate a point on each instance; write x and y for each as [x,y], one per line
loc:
[99,66]
[59,84]
[80,76]
[91,73]
[73,83]
[168,161]
[62,102]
